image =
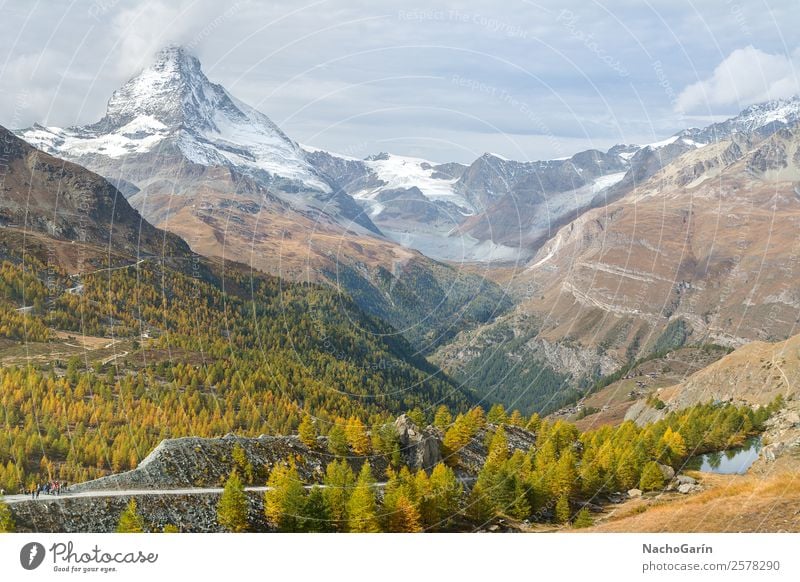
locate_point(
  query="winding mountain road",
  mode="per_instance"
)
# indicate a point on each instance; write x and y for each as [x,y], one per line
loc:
[19,498]
[12,499]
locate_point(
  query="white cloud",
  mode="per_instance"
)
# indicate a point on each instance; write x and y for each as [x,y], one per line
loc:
[748,75]
[145,28]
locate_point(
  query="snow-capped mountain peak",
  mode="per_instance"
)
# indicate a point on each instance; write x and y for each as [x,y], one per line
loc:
[172,103]
[173,90]
[761,114]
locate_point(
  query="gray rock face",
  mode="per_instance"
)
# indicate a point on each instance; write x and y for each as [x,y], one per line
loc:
[204,462]
[473,456]
[772,452]
[421,448]
[189,513]
[667,471]
[686,480]
[687,488]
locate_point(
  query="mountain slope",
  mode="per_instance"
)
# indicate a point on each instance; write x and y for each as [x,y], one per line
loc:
[63,200]
[701,251]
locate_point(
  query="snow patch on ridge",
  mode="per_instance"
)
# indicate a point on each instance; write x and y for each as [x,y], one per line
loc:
[402,172]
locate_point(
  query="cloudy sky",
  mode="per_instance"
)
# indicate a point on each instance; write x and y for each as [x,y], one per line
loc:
[442,80]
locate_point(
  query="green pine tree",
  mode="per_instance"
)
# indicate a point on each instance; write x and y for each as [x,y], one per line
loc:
[497,414]
[583,519]
[479,506]
[242,463]
[339,483]
[130,521]
[445,494]
[362,514]
[285,500]
[7,523]
[442,419]
[652,477]
[315,517]
[562,509]
[337,441]
[232,505]
[308,431]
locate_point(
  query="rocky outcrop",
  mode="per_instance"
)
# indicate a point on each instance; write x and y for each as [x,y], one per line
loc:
[204,462]
[667,471]
[421,448]
[472,457]
[189,513]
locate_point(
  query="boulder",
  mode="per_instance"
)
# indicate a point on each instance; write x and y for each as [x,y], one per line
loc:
[616,497]
[687,488]
[633,493]
[421,448]
[686,480]
[667,471]
[771,452]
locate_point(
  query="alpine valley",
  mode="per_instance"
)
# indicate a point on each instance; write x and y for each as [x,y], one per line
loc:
[207,326]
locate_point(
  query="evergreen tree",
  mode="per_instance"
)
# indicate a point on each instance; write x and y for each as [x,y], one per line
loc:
[7,523]
[285,499]
[417,416]
[518,469]
[339,483]
[362,515]
[337,441]
[307,432]
[583,519]
[565,476]
[562,509]
[232,506]
[402,516]
[130,521]
[479,507]
[385,440]
[516,419]
[242,463]
[591,483]
[315,513]
[357,436]
[443,418]
[497,415]
[445,495]
[533,423]
[652,477]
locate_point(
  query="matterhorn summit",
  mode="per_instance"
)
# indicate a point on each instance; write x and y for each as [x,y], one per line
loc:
[172,105]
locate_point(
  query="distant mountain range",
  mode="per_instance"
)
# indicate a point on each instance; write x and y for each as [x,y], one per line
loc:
[170,134]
